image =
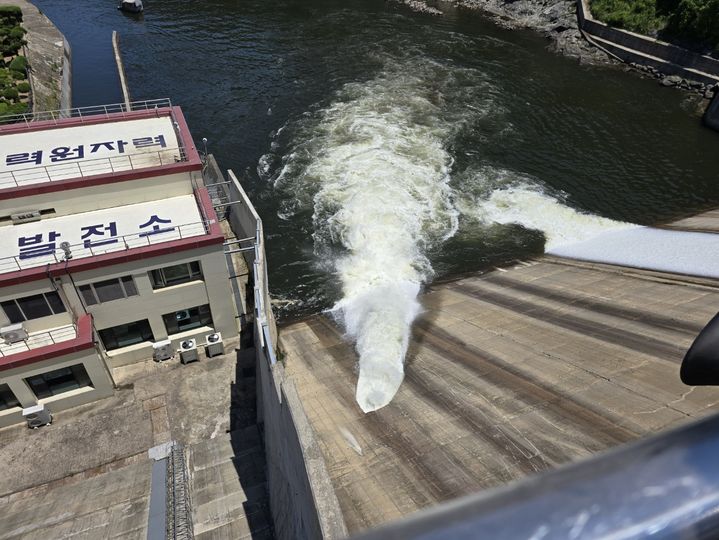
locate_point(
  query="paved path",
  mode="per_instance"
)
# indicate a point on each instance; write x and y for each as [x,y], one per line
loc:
[229,487]
[508,374]
[112,505]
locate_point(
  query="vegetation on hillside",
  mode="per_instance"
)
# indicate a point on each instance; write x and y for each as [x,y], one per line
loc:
[693,23]
[14,87]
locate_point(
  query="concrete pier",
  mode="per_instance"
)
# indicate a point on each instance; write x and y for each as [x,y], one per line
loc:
[509,373]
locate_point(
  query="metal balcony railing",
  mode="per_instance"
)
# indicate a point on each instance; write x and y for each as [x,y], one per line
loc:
[39,339]
[90,167]
[81,113]
[121,243]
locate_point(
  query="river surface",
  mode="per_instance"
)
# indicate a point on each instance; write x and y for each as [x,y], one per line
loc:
[385,149]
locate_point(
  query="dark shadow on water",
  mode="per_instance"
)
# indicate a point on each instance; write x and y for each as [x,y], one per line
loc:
[249,457]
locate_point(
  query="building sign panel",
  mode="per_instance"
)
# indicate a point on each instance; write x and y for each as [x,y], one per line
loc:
[101,231]
[42,156]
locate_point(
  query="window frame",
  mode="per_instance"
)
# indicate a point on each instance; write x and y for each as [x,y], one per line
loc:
[203,318]
[145,333]
[56,301]
[5,404]
[158,279]
[42,389]
[88,291]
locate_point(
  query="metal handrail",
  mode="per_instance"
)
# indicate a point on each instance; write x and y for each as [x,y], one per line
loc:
[81,113]
[47,333]
[91,167]
[663,487]
[13,263]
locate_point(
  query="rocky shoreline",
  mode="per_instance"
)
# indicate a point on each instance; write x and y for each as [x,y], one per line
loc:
[556,20]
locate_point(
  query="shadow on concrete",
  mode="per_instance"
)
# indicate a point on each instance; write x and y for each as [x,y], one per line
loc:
[249,457]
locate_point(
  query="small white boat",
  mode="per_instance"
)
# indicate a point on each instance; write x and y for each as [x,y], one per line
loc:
[131,6]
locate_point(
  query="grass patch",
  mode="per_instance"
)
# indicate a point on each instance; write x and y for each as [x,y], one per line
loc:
[635,15]
[690,23]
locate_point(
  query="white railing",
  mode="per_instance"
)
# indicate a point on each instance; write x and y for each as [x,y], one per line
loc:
[40,339]
[90,167]
[80,113]
[123,243]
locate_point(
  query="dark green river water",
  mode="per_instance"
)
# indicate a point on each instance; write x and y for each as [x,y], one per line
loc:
[385,148]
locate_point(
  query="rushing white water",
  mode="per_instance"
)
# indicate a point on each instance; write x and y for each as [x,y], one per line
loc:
[379,171]
[374,168]
[517,199]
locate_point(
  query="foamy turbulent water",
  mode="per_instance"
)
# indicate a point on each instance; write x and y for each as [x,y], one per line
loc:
[375,169]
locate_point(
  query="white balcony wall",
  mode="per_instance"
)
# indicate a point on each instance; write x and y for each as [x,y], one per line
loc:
[103,196]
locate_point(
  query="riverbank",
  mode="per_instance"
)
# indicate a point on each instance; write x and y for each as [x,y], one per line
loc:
[557,21]
[48,54]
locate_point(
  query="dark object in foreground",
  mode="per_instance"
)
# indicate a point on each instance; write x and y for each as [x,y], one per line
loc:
[131,6]
[663,487]
[700,366]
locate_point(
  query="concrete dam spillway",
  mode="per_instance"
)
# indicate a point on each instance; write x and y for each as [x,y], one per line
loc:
[389,152]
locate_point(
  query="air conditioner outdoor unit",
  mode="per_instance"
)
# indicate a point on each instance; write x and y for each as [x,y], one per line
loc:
[37,416]
[13,333]
[214,345]
[188,351]
[162,350]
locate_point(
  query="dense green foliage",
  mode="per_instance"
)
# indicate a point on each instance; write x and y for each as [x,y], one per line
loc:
[636,15]
[10,13]
[12,75]
[691,22]
[19,63]
[11,33]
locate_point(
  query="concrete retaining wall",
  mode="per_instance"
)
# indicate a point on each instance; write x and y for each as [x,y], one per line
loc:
[302,499]
[711,116]
[631,47]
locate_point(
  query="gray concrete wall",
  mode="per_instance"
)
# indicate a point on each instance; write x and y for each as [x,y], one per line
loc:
[632,47]
[302,500]
[711,116]
[66,81]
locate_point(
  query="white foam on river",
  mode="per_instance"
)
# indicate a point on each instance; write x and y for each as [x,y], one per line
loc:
[374,167]
[530,207]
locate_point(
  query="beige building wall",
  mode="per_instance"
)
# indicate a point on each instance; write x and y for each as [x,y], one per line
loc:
[213,289]
[29,289]
[102,384]
[99,197]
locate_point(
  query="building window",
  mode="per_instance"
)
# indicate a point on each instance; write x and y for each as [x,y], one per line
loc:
[124,335]
[187,319]
[7,398]
[111,289]
[33,307]
[59,381]
[174,275]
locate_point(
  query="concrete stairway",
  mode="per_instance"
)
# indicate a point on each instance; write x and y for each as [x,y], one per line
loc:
[228,487]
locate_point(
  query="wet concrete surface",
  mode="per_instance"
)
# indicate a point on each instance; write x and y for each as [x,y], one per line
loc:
[508,374]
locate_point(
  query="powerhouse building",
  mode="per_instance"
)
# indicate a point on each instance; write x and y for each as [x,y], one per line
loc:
[110,253]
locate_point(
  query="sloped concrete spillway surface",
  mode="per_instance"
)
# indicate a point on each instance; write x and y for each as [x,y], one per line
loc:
[508,374]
